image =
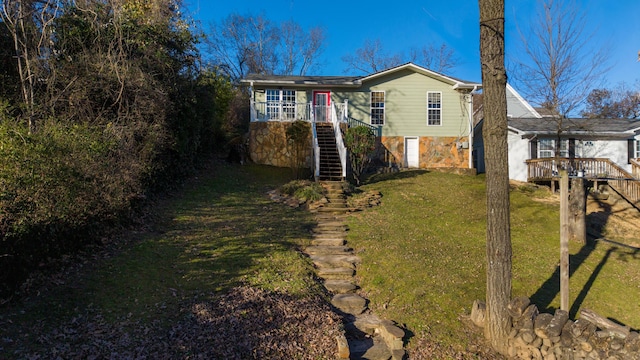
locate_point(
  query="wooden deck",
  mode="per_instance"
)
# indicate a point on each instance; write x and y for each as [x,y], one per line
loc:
[595,169]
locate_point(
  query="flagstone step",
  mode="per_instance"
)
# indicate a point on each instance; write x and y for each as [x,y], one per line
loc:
[335,273]
[328,250]
[328,242]
[353,304]
[324,261]
[339,286]
[333,210]
[330,235]
[330,223]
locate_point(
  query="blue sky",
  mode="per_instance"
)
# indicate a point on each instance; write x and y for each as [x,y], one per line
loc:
[401,25]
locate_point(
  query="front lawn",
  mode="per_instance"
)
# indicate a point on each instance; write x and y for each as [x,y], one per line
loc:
[423,256]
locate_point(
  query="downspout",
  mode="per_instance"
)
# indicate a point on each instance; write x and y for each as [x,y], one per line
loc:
[252,106]
[470,112]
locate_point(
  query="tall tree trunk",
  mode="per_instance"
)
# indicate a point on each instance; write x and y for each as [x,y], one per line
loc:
[494,80]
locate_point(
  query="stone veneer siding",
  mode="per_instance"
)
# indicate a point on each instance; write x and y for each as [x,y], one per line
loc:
[435,152]
[268,144]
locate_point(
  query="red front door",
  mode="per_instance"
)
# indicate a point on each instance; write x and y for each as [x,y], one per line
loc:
[322,105]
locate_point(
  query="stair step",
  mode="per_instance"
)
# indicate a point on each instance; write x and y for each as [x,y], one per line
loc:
[350,303]
[332,261]
[335,273]
[327,250]
[340,286]
[328,242]
[330,234]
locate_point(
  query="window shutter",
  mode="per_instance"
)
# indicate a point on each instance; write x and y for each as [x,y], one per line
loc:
[572,148]
[533,145]
[630,150]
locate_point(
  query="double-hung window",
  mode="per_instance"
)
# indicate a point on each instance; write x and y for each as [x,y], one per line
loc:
[281,104]
[637,147]
[434,108]
[377,108]
[547,148]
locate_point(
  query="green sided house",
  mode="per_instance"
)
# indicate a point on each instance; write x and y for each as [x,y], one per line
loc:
[422,119]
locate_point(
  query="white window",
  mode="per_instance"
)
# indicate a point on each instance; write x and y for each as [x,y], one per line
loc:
[281,104]
[434,108]
[547,148]
[377,108]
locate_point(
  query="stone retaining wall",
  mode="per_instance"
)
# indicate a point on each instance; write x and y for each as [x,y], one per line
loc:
[268,144]
[545,336]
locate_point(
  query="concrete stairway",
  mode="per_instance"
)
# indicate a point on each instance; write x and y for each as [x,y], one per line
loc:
[367,336]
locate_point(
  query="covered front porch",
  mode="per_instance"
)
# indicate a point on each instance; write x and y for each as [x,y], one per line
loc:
[292,111]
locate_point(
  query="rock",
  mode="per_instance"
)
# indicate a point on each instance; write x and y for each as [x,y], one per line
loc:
[340,286]
[343,347]
[349,303]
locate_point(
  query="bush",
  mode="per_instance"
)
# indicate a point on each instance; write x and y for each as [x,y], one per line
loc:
[303,189]
[61,185]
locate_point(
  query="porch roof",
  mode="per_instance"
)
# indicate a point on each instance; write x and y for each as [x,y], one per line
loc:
[581,127]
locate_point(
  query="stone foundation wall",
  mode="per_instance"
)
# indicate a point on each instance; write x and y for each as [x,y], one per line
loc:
[435,152]
[268,145]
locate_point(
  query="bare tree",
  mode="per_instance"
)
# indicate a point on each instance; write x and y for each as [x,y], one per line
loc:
[437,58]
[560,65]
[371,58]
[240,45]
[299,48]
[30,24]
[494,81]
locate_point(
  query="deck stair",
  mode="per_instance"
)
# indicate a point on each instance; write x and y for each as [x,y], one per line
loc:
[330,167]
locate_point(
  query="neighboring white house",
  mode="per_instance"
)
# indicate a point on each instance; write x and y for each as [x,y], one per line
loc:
[533,136]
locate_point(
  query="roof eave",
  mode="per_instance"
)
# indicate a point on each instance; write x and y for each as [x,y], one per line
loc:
[303,83]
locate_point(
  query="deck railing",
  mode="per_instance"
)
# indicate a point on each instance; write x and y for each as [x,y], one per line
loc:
[377,130]
[316,152]
[280,111]
[635,168]
[590,168]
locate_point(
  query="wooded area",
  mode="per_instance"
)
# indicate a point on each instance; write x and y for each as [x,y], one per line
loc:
[102,103]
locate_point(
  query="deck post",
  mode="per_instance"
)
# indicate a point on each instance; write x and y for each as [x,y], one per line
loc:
[577,208]
[564,240]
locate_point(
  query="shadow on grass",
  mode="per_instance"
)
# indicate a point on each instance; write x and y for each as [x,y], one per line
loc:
[226,233]
[551,287]
[405,174]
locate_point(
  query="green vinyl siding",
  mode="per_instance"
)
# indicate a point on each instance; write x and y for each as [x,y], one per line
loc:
[406,105]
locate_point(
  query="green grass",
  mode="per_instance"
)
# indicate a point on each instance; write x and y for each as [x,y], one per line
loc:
[223,231]
[423,255]
[423,252]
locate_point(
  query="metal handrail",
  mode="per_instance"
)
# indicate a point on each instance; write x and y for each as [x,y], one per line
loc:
[377,130]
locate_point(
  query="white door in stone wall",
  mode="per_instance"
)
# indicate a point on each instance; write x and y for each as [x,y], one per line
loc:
[412,152]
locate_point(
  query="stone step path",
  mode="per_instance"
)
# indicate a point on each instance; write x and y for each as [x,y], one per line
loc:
[366,335]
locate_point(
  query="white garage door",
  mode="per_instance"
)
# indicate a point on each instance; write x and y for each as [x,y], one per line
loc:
[412,152]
